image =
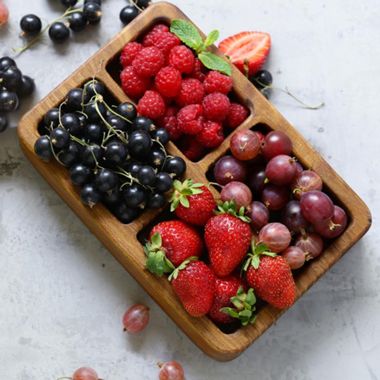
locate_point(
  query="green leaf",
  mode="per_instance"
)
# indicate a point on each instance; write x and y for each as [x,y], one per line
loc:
[211,38]
[185,202]
[251,298]
[187,33]
[260,248]
[213,62]
[156,240]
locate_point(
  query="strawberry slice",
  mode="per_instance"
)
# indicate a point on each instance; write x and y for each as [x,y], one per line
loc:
[247,50]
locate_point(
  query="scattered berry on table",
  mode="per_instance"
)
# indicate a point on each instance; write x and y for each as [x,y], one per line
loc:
[30,24]
[4,13]
[85,373]
[171,370]
[77,21]
[136,318]
[128,13]
[262,79]
[59,32]
[92,12]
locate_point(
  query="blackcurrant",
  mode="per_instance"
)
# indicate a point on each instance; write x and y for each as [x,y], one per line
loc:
[91,155]
[175,166]
[89,195]
[117,122]
[80,174]
[70,121]
[94,110]
[11,78]
[94,88]
[115,153]
[27,86]
[31,24]
[92,12]
[59,137]
[59,32]
[3,123]
[143,123]
[42,148]
[135,196]
[156,200]
[71,154]
[139,143]
[127,110]
[133,168]
[112,197]
[6,62]
[77,22]
[82,119]
[124,213]
[8,101]
[51,118]
[156,157]
[128,13]
[163,182]
[106,180]
[68,3]
[146,175]
[263,78]
[143,3]
[74,99]
[94,133]
[162,135]
[99,2]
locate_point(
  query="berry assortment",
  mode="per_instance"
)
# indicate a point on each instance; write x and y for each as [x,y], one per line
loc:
[272,217]
[13,86]
[113,155]
[165,73]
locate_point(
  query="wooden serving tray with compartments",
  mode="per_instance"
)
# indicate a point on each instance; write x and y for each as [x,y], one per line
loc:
[121,240]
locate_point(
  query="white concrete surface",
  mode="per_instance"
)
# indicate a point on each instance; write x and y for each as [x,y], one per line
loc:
[62,294]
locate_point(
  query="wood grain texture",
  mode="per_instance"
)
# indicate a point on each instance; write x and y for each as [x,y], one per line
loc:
[121,240]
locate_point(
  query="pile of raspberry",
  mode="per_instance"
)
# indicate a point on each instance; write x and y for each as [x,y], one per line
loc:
[174,89]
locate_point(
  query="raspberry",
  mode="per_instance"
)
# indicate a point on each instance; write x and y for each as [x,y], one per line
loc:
[190,119]
[198,70]
[151,105]
[150,37]
[169,122]
[182,58]
[148,61]
[216,106]
[168,81]
[217,82]
[191,92]
[211,135]
[132,84]
[165,41]
[129,53]
[236,115]
[191,148]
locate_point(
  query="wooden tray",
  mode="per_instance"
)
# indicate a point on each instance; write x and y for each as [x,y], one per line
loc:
[121,240]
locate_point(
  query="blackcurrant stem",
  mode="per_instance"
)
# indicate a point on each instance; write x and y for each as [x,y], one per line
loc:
[116,114]
[79,141]
[136,6]
[55,154]
[60,114]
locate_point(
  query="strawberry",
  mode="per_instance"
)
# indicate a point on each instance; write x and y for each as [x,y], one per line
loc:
[271,277]
[194,284]
[192,202]
[247,50]
[231,302]
[227,238]
[171,243]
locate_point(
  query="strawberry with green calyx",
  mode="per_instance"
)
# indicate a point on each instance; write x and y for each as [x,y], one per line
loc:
[228,237]
[170,243]
[191,37]
[243,307]
[270,276]
[192,202]
[194,283]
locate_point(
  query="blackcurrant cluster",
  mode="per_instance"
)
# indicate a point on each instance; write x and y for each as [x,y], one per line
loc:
[131,11]
[262,80]
[113,155]
[13,86]
[75,19]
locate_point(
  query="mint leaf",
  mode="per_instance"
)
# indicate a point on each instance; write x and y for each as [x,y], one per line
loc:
[213,62]
[211,38]
[187,33]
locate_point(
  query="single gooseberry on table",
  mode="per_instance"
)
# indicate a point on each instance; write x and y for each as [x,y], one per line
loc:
[136,318]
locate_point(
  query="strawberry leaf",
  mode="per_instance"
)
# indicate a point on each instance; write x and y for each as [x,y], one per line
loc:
[255,262]
[187,33]
[211,38]
[214,62]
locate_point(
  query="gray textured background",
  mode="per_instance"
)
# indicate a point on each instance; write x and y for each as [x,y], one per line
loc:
[63,295]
